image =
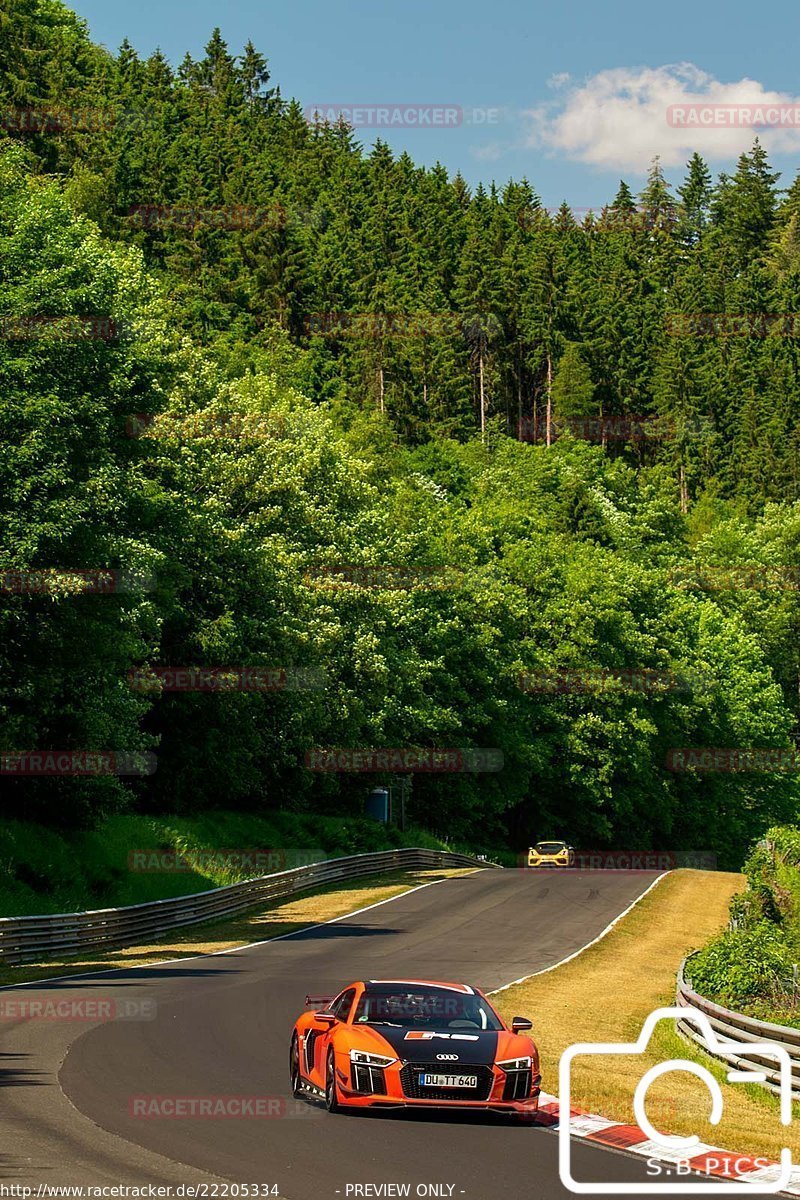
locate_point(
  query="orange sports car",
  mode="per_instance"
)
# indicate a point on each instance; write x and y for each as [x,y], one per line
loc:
[413,1043]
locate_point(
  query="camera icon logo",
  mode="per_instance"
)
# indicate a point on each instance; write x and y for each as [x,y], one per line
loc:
[676,1152]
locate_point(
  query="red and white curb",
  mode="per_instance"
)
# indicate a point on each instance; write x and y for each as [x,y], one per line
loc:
[705,1160]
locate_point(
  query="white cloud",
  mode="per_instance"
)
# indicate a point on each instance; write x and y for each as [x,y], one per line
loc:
[618,119]
[489,153]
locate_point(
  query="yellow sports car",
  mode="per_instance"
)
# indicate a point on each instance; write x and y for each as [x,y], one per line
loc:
[551,854]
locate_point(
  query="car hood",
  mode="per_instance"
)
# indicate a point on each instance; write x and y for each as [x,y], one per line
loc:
[415,1045]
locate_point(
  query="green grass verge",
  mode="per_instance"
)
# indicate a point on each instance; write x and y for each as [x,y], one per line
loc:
[607,993]
[44,871]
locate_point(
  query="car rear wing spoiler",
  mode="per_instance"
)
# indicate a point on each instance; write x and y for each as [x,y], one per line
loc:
[319,1002]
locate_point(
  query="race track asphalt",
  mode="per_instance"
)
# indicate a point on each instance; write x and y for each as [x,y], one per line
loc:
[220,1025]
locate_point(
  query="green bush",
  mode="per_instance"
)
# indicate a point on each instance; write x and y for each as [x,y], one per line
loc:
[744,967]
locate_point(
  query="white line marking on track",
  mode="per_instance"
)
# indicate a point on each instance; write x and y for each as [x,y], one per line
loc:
[588,945]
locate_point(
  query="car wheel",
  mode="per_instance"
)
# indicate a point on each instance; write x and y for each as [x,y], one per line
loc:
[294,1068]
[331,1096]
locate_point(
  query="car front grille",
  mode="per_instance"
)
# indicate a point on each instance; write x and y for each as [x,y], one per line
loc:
[517,1085]
[369,1080]
[413,1089]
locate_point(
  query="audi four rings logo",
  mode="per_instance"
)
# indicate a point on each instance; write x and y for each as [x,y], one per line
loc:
[447,1057]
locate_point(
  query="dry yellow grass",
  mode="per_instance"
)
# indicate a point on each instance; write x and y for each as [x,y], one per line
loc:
[288,916]
[605,995]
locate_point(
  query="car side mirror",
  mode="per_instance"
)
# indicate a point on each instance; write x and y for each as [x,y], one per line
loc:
[520,1023]
[326,1018]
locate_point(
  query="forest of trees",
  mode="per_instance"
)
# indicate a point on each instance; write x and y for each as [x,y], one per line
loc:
[303,354]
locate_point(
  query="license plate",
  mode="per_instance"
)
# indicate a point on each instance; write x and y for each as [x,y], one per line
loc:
[449,1081]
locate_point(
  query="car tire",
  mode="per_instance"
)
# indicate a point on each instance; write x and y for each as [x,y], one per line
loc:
[331,1094]
[295,1078]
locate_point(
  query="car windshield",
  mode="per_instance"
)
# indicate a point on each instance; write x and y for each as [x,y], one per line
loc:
[426,1009]
[550,847]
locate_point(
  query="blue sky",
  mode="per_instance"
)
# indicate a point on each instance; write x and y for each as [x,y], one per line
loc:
[573,95]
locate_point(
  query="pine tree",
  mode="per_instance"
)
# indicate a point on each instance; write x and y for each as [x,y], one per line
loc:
[254,74]
[623,207]
[543,319]
[564,221]
[478,294]
[790,205]
[657,205]
[573,388]
[744,208]
[784,257]
[695,194]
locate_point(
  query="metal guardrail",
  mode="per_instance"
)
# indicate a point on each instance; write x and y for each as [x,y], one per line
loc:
[738,1027]
[25,938]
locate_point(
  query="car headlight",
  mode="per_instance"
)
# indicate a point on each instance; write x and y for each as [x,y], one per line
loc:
[516,1064]
[370,1060]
